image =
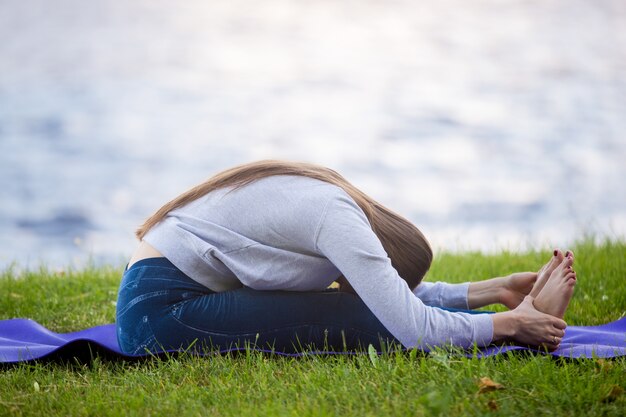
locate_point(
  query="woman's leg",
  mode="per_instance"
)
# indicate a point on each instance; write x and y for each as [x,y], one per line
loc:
[279,320]
[159,308]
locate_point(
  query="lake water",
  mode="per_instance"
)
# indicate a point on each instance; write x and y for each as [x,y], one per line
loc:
[490,124]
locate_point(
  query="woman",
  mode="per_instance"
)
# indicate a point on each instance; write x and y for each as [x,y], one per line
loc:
[246,258]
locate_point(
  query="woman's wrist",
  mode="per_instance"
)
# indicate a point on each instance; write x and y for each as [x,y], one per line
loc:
[504,326]
[500,289]
[483,293]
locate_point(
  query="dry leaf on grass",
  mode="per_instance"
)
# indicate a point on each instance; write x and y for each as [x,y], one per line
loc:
[487,385]
[614,393]
[604,365]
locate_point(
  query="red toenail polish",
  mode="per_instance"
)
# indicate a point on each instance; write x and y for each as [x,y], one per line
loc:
[555,252]
[567,253]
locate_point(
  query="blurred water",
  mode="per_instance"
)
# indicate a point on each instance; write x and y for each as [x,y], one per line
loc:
[489,123]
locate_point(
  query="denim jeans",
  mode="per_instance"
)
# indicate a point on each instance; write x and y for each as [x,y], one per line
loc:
[160,308]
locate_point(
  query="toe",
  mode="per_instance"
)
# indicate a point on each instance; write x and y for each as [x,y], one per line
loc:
[559,255]
[567,262]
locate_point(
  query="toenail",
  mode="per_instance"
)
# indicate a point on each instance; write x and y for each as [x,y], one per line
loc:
[555,252]
[567,253]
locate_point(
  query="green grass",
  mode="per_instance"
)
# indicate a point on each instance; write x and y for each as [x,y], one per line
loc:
[251,383]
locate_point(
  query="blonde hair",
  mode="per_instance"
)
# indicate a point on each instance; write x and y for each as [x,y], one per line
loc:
[405,245]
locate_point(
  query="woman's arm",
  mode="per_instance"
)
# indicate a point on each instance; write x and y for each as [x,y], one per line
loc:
[509,291]
[443,294]
[345,237]
[484,293]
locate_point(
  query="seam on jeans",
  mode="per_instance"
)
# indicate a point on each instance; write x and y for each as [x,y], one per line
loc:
[139,267]
[208,331]
[134,283]
[271,329]
[144,345]
[139,299]
[159,279]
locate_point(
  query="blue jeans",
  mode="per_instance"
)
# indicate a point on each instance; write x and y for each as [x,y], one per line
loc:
[160,308]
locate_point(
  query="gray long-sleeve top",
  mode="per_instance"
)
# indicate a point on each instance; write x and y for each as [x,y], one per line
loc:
[300,234]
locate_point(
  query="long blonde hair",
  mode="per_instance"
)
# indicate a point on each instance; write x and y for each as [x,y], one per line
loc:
[405,245]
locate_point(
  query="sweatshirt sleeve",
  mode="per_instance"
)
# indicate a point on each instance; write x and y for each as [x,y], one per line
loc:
[443,294]
[345,237]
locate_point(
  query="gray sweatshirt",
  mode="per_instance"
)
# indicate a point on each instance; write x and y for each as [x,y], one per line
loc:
[296,233]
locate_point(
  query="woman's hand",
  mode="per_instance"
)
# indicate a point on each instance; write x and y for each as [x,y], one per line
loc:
[527,326]
[515,287]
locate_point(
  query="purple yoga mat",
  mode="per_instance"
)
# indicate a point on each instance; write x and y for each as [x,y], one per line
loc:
[23,340]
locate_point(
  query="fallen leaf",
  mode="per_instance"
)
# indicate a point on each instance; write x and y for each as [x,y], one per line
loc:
[373,354]
[614,393]
[493,405]
[604,365]
[487,385]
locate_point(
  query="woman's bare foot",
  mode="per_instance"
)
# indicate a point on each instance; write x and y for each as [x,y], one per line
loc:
[558,290]
[544,273]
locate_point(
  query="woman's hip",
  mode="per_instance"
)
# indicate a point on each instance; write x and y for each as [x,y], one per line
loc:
[149,290]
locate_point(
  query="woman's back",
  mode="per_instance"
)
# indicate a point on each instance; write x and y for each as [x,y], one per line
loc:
[262,235]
